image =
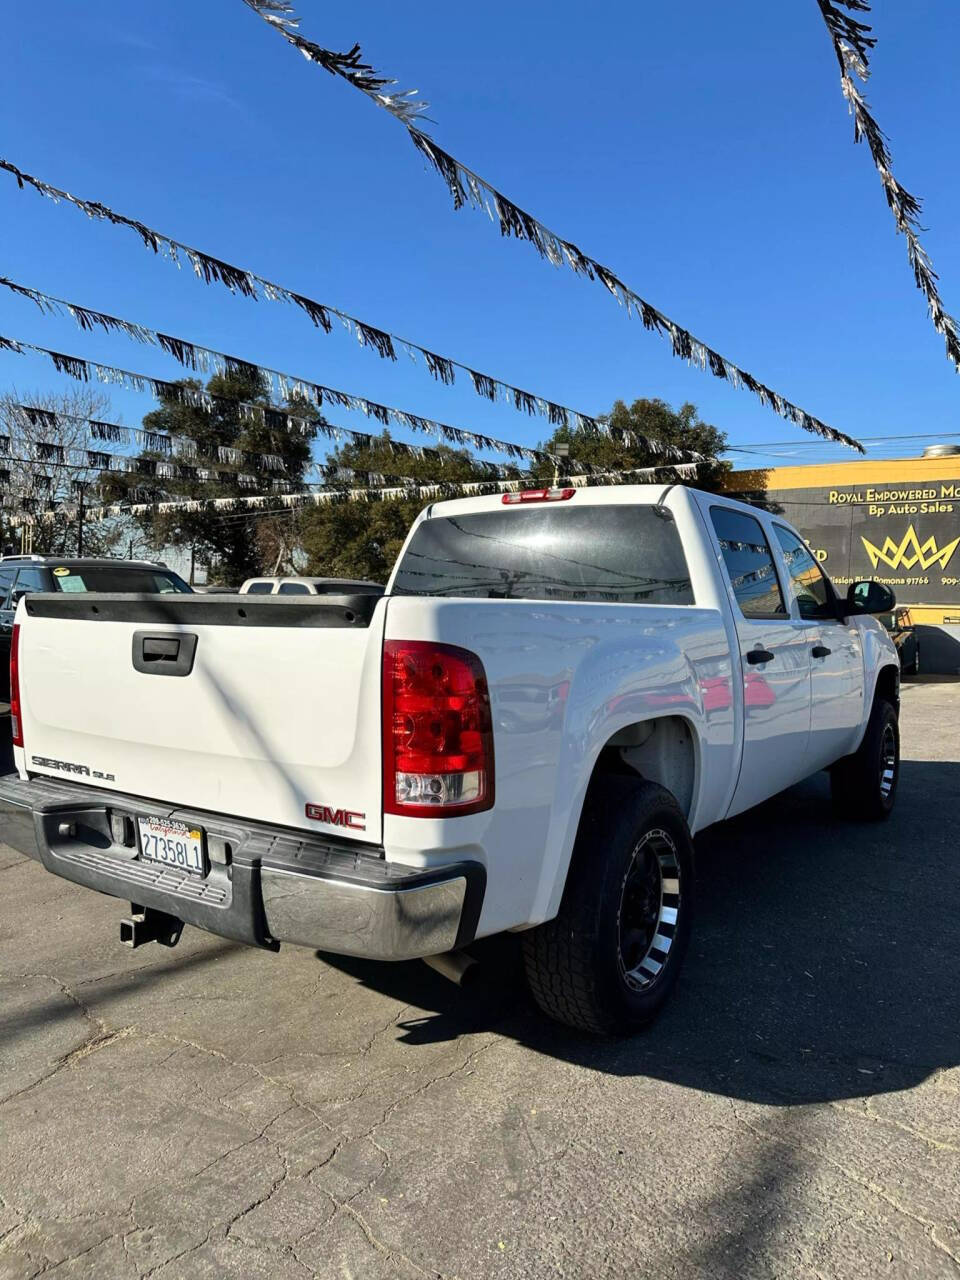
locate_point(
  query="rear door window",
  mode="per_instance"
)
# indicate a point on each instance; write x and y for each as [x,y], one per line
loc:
[293,589]
[259,589]
[621,554]
[749,563]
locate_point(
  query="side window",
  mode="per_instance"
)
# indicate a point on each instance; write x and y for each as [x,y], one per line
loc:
[259,588]
[809,585]
[6,582]
[31,580]
[293,589]
[749,562]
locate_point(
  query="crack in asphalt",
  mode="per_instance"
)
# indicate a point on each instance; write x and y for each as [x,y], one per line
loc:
[241,1065]
[395,1255]
[867,1184]
[9,866]
[866,1112]
[100,1038]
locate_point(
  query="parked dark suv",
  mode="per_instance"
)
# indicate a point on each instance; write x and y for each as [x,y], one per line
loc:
[20,575]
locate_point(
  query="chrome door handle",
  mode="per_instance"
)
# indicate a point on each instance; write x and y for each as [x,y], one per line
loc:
[755,656]
[821,651]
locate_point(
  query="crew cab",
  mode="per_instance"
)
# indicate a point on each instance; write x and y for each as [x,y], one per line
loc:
[557,690]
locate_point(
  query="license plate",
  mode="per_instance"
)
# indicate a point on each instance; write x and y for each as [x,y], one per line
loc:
[172,843]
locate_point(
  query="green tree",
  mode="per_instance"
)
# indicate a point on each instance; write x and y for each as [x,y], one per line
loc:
[362,539]
[230,539]
[681,427]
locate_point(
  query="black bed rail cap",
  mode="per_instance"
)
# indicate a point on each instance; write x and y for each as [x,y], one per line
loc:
[206,610]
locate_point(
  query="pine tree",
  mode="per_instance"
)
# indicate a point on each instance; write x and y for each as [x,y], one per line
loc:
[229,539]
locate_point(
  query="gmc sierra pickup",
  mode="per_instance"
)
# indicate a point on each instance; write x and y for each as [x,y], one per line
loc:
[558,688]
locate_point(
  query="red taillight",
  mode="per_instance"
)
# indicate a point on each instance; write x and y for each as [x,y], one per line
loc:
[437,731]
[537,495]
[16,724]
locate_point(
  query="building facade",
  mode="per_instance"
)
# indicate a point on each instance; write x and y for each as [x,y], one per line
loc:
[896,521]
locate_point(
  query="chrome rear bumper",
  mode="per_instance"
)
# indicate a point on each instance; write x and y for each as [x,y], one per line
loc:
[383,922]
[277,885]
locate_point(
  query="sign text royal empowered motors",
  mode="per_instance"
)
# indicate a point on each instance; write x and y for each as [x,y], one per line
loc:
[905,536]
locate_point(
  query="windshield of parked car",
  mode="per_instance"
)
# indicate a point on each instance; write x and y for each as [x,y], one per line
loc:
[613,554]
[119,578]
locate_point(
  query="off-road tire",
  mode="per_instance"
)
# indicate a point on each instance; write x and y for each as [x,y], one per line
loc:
[575,963]
[864,785]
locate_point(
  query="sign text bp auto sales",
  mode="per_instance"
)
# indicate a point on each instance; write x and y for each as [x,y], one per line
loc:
[907,536]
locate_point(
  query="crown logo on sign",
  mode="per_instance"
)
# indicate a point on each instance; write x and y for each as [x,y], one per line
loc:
[910,552]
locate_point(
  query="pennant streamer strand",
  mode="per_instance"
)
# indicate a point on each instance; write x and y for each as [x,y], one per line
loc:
[199,358]
[252,285]
[383,493]
[513,221]
[468,187]
[273,415]
[852,43]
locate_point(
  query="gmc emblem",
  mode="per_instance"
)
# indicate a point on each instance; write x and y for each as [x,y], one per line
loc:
[337,817]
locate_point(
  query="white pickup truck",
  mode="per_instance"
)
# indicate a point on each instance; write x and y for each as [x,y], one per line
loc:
[558,687]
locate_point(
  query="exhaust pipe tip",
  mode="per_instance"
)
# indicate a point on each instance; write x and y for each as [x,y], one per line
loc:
[456,966]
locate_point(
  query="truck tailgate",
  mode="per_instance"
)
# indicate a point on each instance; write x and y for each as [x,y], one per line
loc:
[277,717]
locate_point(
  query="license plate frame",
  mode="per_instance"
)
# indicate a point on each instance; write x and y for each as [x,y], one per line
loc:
[166,842]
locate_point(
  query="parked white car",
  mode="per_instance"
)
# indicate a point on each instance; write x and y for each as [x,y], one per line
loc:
[268,586]
[558,688]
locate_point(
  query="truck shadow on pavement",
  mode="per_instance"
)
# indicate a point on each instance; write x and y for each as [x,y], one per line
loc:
[825,961]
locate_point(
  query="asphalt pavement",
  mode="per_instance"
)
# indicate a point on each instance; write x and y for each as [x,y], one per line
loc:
[218,1111]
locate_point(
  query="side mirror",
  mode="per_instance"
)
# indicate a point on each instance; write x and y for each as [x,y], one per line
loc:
[17,596]
[870,597]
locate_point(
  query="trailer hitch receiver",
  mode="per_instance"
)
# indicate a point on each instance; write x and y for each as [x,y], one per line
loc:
[146,924]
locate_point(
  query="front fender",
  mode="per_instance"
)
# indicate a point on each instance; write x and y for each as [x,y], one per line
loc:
[879,655]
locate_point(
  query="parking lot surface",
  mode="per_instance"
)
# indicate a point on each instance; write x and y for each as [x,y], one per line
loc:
[217,1111]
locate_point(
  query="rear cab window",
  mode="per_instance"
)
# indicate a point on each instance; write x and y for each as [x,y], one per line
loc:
[610,554]
[102,578]
[259,589]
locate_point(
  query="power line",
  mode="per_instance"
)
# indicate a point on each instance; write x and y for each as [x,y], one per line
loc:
[819,444]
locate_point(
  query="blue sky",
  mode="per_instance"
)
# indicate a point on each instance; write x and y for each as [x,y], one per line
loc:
[702,151]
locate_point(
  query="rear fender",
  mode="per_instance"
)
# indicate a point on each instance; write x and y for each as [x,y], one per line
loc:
[665,749]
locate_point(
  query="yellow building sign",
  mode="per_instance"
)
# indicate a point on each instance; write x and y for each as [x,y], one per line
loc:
[896,521]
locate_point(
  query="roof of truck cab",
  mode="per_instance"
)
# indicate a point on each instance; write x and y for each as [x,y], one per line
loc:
[597,496]
[613,494]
